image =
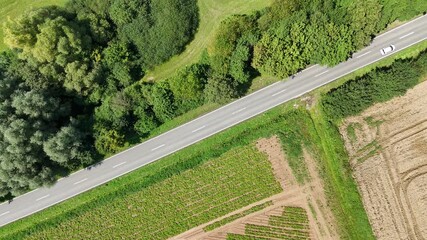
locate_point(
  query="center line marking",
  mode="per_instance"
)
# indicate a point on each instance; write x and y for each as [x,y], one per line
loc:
[238,111]
[407,35]
[119,164]
[278,93]
[321,73]
[80,181]
[157,147]
[309,68]
[4,213]
[198,129]
[363,54]
[38,199]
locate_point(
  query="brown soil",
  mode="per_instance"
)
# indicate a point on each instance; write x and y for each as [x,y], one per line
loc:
[310,196]
[389,158]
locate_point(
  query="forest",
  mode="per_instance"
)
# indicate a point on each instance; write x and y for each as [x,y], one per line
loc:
[70,85]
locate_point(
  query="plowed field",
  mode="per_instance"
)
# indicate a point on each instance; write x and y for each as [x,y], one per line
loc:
[388,148]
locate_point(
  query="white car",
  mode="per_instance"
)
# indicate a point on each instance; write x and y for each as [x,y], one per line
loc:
[387,50]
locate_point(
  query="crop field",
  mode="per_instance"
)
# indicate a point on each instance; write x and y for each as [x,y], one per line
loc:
[13,8]
[238,178]
[237,216]
[291,224]
[388,154]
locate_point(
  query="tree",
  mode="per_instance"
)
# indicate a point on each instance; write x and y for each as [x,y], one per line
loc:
[364,17]
[95,14]
[109,141]
[163,102]
[158,29]
[66,147]
[54,41]
[219,90]
[188,84]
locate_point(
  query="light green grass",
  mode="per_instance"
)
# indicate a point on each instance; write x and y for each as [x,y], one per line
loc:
[13,8]
[212,12]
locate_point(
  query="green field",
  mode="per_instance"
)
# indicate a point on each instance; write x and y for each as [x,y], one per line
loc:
[239,177]
[14,8]
[212,12]
[292,224]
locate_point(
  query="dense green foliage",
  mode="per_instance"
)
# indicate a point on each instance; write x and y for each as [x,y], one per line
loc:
[40,126]
[14,8]
[380,85]
[84,62]
[66,86]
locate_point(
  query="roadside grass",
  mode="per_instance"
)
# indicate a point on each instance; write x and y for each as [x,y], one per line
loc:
[237,178]
[283,120]
[154,173]
[410,52]
[13,8]
[212,12]
[340,188]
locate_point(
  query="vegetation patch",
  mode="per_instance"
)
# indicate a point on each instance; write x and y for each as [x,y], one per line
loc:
[236,179]
[351,131]
[13,8]
[231,218]
[292,224]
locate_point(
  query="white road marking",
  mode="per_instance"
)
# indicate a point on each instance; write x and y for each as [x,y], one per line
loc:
[309,68]
[401,26]
[80,181]
[4,213]
[38,199]
[321,73]
[198,129]
[179,148]
[278,93]
[238,111]
[154,149]
[407,35]
[119,164]
[366,53]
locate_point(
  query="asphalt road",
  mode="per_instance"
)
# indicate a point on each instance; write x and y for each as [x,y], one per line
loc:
[209,124]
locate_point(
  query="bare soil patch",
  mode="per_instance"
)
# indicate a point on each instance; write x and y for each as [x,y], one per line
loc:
[388,154]
[309,197]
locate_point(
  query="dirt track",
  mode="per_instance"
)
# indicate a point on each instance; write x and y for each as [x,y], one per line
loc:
[389,156]
[310,196]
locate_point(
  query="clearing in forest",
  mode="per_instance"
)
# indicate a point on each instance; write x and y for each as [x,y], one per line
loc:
[387,144]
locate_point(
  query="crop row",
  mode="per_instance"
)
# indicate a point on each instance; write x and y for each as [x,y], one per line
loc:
[294,210]
[250,228]
[234,236]
[164,209]
[231,218]
[279,221]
